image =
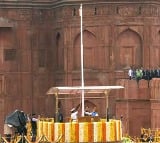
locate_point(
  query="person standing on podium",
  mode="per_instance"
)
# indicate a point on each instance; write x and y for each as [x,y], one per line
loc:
[74,113]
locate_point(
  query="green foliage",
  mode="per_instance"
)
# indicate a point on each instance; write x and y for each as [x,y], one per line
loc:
[126,140]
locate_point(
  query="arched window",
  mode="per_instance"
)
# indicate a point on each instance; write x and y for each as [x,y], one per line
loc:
[128,49]
[89,51]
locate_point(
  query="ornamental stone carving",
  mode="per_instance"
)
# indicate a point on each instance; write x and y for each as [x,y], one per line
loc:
[150,11]
[25,14]
[128,10]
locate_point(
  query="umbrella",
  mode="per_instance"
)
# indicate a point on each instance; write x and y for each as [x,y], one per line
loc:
[18,120]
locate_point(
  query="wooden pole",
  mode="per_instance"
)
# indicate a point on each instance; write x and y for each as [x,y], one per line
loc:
[107,105]
[56,116]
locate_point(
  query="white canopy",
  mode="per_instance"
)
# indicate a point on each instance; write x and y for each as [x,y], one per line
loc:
[78,89]
[73,90]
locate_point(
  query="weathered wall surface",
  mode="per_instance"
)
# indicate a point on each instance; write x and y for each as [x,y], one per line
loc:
[139,106]
[134,106]
[25,51]
[40,48]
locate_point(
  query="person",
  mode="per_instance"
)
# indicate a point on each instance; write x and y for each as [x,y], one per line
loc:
[60,116]
[74,113]
[8,131]
[87,112]
[33,127]
[139,75]
[94,112]
[130,73]
[23,119]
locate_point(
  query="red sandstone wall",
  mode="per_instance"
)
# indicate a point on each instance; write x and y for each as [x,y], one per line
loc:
[155,103]
[47,40]
[139,106]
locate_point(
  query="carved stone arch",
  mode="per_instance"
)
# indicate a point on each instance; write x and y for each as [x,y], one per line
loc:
[59,52]
[128,49]
[89,104]
[8,44]
[7,37]
[7,34]
[125,28]
[89,50]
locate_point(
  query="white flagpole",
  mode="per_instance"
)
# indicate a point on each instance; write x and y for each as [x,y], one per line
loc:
[82,70]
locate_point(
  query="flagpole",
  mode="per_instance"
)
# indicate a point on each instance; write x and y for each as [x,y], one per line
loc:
[82,69]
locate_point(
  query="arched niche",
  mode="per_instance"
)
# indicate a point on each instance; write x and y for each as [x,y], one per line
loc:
[8,49]
[59,52]
[89,51]
[128,49]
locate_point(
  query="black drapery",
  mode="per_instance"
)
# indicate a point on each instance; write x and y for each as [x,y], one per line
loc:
[18,120]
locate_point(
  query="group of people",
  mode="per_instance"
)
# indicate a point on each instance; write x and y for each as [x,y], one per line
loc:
[141,73]
[87,112]
[94,112]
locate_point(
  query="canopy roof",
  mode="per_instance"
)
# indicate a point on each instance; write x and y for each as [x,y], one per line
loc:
[78,89]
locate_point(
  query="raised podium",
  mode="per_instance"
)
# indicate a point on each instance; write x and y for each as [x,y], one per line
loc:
[89,119]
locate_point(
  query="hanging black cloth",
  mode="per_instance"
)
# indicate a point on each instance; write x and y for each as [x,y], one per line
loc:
[18,120]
